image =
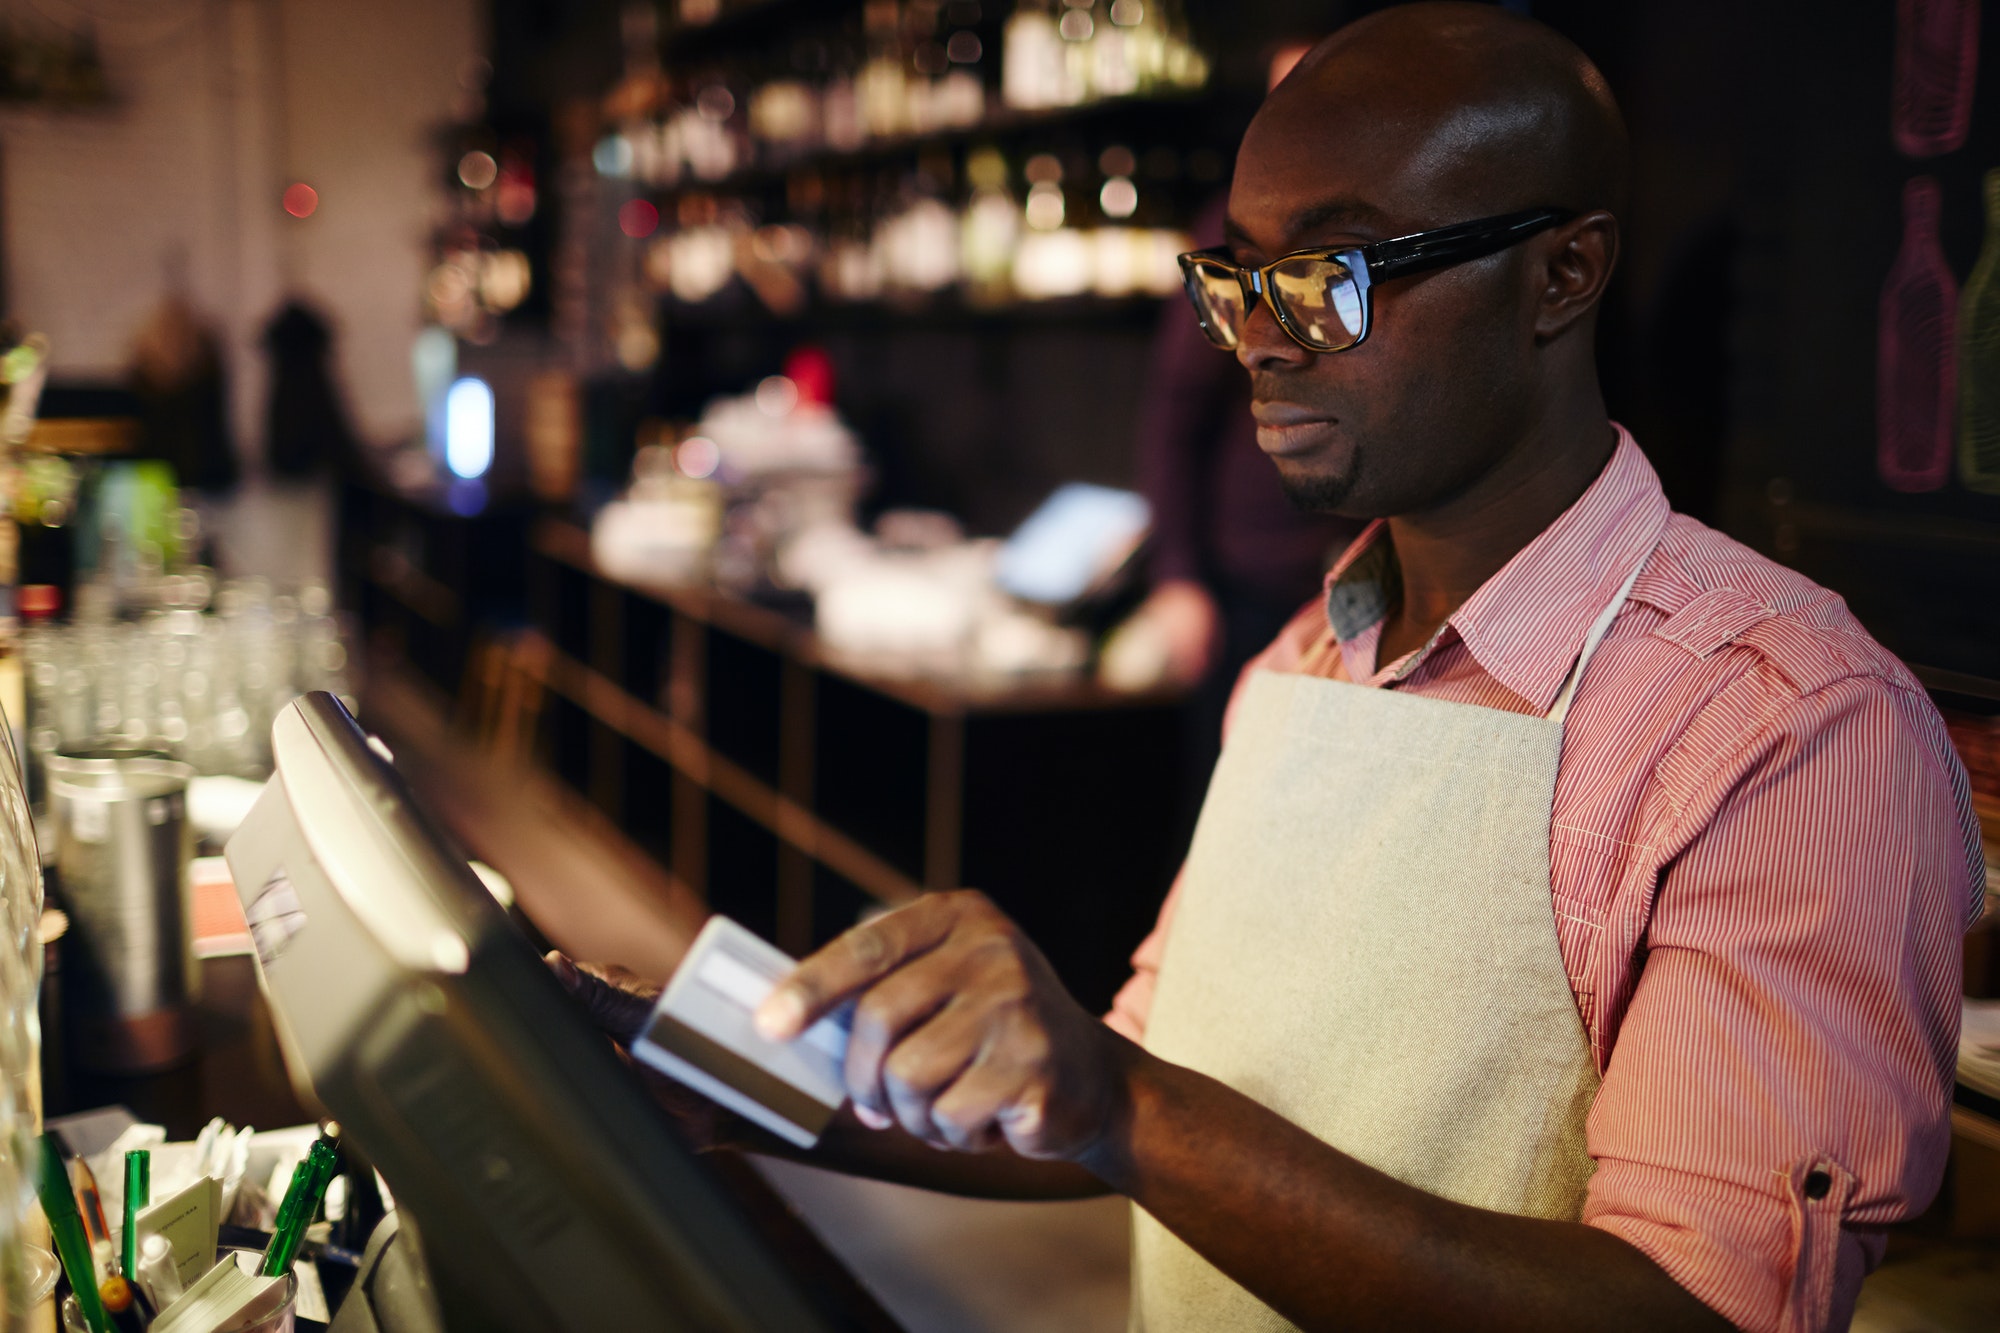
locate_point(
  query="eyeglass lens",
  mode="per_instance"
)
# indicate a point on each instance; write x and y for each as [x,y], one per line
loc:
[1219,299]
[1318,296]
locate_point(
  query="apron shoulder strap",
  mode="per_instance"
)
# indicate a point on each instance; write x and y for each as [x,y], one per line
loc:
[1598,629]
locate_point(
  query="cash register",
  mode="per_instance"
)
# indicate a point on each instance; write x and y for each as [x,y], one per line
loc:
[548,1190]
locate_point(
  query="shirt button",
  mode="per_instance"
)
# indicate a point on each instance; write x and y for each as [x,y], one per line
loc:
[1817,1184]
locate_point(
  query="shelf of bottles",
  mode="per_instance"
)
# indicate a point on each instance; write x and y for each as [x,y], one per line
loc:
[487,206]
[950,156]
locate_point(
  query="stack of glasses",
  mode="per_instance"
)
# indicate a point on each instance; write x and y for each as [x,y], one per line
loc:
[204,686]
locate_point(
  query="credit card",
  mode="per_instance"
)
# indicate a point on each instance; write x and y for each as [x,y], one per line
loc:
[701,1032]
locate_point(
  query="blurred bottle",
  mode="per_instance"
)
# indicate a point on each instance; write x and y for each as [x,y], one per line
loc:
[882,88]
[1033,69]
[989,229]
[1078,29]
[1979,358]
[1937,58]
[45,503]
[1914,390]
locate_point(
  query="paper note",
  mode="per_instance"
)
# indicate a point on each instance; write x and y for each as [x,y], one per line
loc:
[188,1222]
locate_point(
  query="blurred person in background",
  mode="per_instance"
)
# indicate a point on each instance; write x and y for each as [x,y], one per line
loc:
[183,392]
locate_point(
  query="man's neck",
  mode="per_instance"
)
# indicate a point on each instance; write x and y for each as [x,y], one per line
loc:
[1445,555]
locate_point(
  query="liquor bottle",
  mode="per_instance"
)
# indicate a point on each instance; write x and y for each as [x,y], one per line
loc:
[1979,358]
[1078,30]
[882,88]
[1914,392]
[1033,69]
[989,229]
[1937,57]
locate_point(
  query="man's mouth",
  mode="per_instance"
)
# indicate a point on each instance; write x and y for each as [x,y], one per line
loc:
[1286,430]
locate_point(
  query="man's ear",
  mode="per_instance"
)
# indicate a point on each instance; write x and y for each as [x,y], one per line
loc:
[1580,255]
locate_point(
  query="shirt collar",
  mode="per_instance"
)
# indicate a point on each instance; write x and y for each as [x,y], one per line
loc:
[1526,624]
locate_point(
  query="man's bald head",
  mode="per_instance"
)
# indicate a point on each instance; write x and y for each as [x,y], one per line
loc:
[1420,117]
[1484,110]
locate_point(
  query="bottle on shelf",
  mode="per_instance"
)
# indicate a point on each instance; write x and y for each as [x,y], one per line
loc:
[1914,390]
[1979,358]
[1937,58]
[1054,256]
[1034,72]
[989,229]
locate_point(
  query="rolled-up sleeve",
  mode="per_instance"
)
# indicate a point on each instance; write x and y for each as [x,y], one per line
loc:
[1780,1085]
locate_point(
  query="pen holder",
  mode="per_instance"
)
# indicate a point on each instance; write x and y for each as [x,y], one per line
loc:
[273,1312]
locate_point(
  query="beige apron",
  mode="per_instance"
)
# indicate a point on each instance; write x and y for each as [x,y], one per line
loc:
[1366,944]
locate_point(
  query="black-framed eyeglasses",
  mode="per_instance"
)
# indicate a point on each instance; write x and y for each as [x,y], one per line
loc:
[1323,298]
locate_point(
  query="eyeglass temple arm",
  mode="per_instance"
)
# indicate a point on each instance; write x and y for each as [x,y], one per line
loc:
[1457,245]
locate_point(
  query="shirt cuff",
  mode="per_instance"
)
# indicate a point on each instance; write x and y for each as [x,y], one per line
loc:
[1776,1261]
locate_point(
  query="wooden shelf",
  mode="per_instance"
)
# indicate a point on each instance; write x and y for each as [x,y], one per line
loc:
[1154,117]
[794,790]
[690,756]
[943,311]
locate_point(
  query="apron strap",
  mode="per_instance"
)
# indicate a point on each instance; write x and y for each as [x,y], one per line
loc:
[1598,630]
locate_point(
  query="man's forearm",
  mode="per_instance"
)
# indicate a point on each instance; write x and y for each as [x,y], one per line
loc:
[894,1156]
[1330,1242]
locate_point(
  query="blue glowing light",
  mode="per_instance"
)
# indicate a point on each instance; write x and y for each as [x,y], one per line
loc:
[468,428]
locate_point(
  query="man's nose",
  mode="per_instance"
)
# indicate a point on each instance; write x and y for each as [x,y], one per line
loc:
[1264,344]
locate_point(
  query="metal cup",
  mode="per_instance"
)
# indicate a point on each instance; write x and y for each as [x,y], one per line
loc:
[122,849]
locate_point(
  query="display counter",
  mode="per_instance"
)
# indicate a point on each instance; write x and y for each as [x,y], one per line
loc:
[766,777]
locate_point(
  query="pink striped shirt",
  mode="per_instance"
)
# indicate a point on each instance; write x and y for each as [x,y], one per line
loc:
[1763,855]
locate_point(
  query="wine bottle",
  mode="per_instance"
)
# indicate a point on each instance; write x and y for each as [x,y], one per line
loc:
[1914,392]
[1979,358]
[1937,57]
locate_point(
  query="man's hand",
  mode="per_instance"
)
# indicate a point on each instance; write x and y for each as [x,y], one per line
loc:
[962,1033]
[617,1002]
[1187,618]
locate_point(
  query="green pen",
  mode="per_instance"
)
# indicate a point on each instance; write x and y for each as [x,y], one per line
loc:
[72,1243]
[138,1193]
[301,1201]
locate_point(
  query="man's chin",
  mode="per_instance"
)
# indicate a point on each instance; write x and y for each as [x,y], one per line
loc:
[1315,492]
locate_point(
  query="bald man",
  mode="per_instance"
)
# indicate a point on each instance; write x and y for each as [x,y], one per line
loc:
[1570,937]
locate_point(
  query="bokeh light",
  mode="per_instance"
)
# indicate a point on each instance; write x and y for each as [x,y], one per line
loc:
[777,396]
[468,428]
[613,156]
[1119,198]
[477,170]
[301,199]
[638,219]
[698,457]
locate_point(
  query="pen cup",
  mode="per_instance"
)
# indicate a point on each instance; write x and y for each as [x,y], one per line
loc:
[273,1313]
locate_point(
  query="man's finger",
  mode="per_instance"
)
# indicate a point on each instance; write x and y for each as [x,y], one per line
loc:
[926,1062]
[857,959]
[886,1014]
[968,1114]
